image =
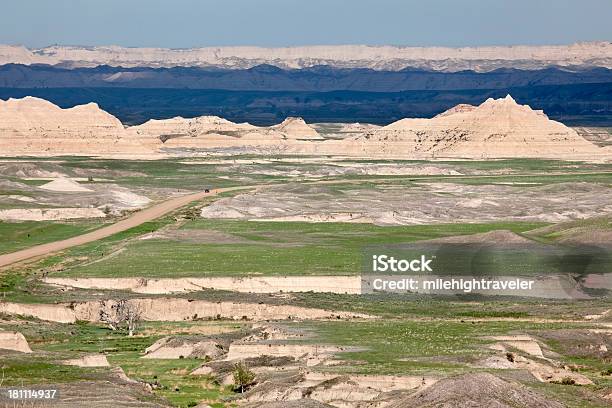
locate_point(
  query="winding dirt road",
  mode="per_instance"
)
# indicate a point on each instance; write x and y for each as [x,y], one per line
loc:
[132,221]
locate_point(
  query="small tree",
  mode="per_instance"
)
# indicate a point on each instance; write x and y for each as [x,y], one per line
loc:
[243,377]
[132,315]
[121,315]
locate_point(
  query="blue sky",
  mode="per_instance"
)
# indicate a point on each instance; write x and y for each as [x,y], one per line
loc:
[192,23]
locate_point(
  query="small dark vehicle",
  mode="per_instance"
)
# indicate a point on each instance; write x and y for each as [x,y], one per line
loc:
[206,190]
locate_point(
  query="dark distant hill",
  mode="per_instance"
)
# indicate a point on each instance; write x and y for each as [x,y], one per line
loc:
[270,78]
[265,94]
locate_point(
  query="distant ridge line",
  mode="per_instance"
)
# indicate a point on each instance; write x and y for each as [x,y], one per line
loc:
[383,57]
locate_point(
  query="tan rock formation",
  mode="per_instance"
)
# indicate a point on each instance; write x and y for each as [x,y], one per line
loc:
[52,313]
[498,128]
[477,390]
[179,126]
[35,126]
[49,214]
[462,107]
[175,348]
[523,343]
[296,128]
[205,132]
[91,360]
[241,351]
[262,284]
[15,341]
[175,309]
[65,185]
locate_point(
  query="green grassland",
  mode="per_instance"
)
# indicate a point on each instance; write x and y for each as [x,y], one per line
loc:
[572,229]
[438,347]
[417,347]
[19,235]
[279,248]
[168,173]
[196,173]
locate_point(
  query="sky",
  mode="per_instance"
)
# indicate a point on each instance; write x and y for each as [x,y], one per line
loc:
[274,23]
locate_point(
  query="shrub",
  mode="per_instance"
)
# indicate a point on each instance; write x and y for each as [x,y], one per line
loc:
[243,377]
[568,381]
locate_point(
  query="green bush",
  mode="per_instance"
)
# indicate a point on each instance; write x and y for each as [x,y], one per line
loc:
[243,377]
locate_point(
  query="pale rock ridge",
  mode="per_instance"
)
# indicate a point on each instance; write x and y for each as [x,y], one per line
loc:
[179,126]
[90,360]
[175,348]
[498,128]
[462,107]
[349,56]
[65,185]
[206,132]
[297,128]
[15,341]
[261,284]
[175,309]
[49,214]
[34,126]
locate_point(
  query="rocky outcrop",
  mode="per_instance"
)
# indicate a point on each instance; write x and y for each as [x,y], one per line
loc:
[205,132]
[335,389]
[533,360]
[52,313]
[175,348]
[35,126]
[65,185]
[498,128]
[174,309]
[201,125]
[177,309]
[49,214]
[91,360]
[477,390]
[263,284]
[296,128]
[15,341]
[526,344]
[306,352]
[462,107]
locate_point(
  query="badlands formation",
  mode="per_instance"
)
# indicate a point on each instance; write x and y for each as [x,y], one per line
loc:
[38,127]
[498,128]
[345,56]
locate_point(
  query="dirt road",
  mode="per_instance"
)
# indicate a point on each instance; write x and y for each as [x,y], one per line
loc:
[134,220]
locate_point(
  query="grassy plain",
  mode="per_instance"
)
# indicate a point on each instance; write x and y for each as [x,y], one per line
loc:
[268,248]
